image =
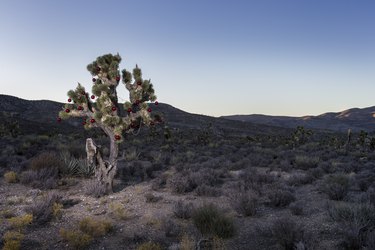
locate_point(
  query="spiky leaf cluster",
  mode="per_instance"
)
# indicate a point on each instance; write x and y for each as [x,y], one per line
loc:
[106,112]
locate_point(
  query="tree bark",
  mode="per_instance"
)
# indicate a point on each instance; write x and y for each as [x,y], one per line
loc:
[104,170]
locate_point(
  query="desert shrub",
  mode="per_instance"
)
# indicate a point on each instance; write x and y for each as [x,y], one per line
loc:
[150,246]
[7,213]
[95,228]
[296,208]
[12,240]
[364,180]
[316,173]
[118,211]
[210,221]
[181,183]
[45,178]
[355,221]
[45,208]
[46,160]
[336,186]
[94,189]
[306,162]
[298,179]
[360,214]
[170,228]
[10,177]
[283,231]
[187,243]
[150,197]
[183,210]
[159,182]
[207,176]
[204,190]
[76,238]
[20,222]
[251,179]
[280,198]
[245,203]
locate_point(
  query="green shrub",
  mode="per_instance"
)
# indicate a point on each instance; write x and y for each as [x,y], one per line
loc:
[210,221]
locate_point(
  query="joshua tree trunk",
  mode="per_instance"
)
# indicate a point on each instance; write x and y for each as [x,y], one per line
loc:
[104,170]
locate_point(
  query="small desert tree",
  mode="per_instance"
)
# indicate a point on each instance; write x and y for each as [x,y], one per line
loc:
[107,114]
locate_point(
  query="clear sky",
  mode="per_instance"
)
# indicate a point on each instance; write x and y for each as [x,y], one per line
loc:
[213,57]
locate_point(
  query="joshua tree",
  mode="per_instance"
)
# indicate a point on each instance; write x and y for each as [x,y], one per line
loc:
[107,114]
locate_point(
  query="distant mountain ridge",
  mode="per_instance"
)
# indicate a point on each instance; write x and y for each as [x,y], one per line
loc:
[41,116]
[355,119]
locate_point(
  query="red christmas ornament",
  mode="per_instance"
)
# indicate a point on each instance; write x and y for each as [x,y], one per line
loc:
[129,110]
[94,79]
[92,120]
[149,109]
[92,97]
[59,119]
[114,108]
[83,123]
[118,78]
[67,110]
[69,100]
[139,83]
[156,103]
[80,108]
[117,137]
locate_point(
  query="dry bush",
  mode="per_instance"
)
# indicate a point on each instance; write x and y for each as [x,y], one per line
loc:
[95,228]
[170,228]
[355,221]
[283,231]
[46,160]
[11,177]
[245,203]
[181,183]
[306,162]
[75,238]
[280,198]
[205,190]
[150,246]
[297,207]
[12,240]
[183,210]
[20,222]
[118,211]
[94,189]
[45,208]
[150,197]
[299,179]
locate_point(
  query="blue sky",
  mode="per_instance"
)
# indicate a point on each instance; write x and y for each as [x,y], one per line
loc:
[276,57]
